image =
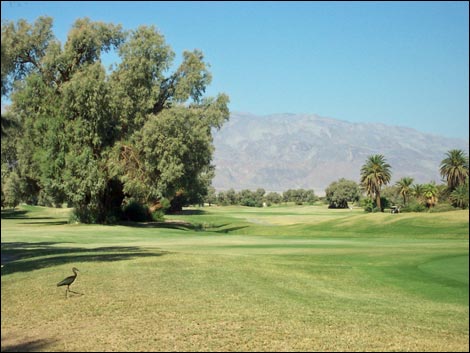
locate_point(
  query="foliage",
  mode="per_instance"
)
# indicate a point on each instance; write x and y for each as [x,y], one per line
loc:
[404,188]
[259,197]
[340,192]
[251,198]
[441,207]
[229,197]
[299,196]
[211,196]
[413,206]
[430,194]
[273,198]
[374,174]
[390,193]
[136,212]
[370,205]
[454,168]
[11,191]
[459,196]
[92,137]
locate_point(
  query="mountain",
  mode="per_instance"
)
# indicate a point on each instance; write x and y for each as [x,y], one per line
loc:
[283,151]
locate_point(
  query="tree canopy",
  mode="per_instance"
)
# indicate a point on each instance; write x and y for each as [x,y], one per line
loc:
[94,137]
[454,169]
[340,192]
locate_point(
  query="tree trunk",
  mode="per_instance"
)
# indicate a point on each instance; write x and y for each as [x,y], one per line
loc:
[377,200]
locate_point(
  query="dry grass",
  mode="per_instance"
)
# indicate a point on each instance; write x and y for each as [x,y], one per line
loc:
[166,289]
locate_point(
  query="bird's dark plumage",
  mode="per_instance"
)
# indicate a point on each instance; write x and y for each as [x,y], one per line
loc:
[69,280]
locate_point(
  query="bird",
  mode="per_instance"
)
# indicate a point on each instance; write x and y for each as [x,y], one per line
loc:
[68,281]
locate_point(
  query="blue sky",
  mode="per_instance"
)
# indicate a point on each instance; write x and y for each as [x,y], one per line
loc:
[397,63]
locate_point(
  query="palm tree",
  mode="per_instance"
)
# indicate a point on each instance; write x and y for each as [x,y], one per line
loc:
[430,194]
[374,174]
[417,190]
[404,188]
[459,196]
[454,169]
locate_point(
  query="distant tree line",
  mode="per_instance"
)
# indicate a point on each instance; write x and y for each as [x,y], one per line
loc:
[260,198]
[373,193]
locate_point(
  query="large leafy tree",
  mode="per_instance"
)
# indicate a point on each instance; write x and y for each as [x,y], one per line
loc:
[374,174]
[340,192]
[92,136]
[454,169]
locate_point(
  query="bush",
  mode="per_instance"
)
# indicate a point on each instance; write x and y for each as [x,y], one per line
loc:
[158,212]
[11,191]
[368,204]
[136,212]
[83,215]
[413,207]
[442,207]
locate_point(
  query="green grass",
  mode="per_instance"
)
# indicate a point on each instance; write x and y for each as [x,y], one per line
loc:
[288,278]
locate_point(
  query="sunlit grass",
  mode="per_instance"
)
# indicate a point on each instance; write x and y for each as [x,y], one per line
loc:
[300,278]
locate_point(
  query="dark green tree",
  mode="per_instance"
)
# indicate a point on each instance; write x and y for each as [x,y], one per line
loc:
[92,137]
[340,192]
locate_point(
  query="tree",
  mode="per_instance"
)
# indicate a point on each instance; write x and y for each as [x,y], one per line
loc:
[454,169]
[430,194]
[404,188]
[94,138]
[273,197]
[11,191]
[211,196]
[459,197]
[375,173]
[299,196]
[340,192]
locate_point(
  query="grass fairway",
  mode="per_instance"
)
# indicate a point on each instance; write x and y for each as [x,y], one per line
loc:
[238,279]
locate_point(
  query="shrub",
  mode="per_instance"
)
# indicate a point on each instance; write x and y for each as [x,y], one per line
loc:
[158,212]
[368,204]
[136,212]
[413,206]
[442,207]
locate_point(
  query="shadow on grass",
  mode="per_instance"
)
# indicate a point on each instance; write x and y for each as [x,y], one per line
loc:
[179,225]
[186,226]
[26,346]
[25,257]
[229,230]
[14,214]
[23,215]
[190,212]
[45,223]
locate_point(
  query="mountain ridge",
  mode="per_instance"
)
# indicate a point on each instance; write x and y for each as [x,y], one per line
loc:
[284,151]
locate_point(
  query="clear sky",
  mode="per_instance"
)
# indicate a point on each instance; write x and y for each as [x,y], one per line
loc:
[397,63]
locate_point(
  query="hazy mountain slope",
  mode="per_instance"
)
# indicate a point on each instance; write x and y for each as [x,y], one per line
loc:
[283,151]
